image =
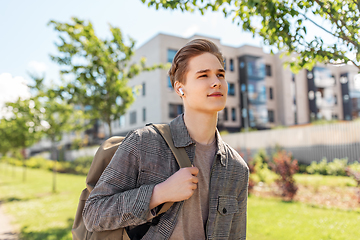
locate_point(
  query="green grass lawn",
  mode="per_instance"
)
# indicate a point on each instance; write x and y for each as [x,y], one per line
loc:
[321,180]
[39,213]
[42,214]
[270,219]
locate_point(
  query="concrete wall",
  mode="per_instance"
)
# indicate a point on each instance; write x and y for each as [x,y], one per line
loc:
[307,143]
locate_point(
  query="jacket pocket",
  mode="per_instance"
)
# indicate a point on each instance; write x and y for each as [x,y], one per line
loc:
[227,205]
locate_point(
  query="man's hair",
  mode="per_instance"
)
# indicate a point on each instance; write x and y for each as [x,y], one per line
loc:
[196,47]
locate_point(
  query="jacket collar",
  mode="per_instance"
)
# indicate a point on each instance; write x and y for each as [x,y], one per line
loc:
[181,137]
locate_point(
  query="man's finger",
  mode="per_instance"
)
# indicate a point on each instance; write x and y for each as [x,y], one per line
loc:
[193,170]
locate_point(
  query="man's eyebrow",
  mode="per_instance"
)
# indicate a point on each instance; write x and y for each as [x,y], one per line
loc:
[208,70]
[203,71]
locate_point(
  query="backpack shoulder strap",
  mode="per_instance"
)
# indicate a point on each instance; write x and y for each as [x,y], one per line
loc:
[179,153]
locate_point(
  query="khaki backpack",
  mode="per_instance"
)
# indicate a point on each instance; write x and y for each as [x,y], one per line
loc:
[101,159]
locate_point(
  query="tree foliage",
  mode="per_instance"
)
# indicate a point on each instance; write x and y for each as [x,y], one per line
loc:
[22,126]
[97,71]
[284,24]
[57,116]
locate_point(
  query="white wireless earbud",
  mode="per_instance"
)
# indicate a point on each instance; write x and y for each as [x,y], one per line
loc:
[181,91]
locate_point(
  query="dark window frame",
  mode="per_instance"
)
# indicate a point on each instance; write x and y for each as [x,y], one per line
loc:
[144,114]
[231,86]
[268,72]
[271,117]
[233,114]
[132,117]
[231,65]
[168,51]
[226,116]
[175,110]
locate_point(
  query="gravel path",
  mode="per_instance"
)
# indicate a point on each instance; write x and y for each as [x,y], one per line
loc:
[7,231]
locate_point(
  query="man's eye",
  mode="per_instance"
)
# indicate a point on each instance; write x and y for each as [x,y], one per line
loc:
[201,76]
[221,75]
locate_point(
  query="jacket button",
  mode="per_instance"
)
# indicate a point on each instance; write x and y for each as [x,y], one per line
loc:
[224,211]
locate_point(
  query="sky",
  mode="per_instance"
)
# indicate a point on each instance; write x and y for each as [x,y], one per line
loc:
[26,39]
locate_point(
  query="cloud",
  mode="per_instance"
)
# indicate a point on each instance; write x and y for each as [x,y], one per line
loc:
[190,31]
[37,67]
[11,88]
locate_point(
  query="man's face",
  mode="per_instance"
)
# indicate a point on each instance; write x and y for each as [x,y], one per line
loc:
[206,87]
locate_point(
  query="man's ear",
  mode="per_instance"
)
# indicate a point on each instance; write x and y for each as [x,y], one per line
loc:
[179,89]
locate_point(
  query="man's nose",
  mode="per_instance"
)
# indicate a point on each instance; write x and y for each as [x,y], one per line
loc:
[216,82]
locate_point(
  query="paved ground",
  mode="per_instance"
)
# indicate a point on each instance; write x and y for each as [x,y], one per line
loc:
[7,231]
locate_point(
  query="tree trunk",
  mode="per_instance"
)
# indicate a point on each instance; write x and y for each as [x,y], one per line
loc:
[110,129]
[23,153]
[53,151]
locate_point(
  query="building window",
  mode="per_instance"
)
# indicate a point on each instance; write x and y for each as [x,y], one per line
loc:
[335,99]
[233,114]
[225,114]
[175,110]
[231,89]
[268,70]
[169,83]
[143,89]
[231,64]
[271,96]
[271,116]
[170,55]
[224,63]
[144,114]
[133,117]
[122,121]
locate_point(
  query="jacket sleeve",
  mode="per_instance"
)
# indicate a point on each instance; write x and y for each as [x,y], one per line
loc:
[117,201]
[238,226]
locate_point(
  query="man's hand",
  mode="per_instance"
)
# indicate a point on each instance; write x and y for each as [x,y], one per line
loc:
[180,186]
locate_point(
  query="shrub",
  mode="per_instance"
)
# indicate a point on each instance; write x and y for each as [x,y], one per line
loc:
[317,168]
[302,168]
[355,166]
[286,167]
[336,167]
[356,175]
[261,168]
[36,162]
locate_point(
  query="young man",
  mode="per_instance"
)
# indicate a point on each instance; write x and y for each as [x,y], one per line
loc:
[210,198]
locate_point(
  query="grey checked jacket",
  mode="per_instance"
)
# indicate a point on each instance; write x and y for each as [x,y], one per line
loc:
[122,195]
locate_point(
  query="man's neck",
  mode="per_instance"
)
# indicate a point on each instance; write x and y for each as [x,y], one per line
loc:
[201,126]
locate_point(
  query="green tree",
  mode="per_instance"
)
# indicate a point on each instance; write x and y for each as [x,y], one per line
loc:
[284,24]
[97,71]
[57,116]
[5,144]
[22,125]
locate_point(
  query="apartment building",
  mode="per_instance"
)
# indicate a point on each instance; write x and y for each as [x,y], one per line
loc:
[262,92]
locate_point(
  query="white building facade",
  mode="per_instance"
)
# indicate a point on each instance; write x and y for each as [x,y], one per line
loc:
[262,93]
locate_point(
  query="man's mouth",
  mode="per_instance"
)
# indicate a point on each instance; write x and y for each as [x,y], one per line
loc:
[216,94]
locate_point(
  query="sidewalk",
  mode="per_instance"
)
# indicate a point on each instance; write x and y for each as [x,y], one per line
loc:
[7,231]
